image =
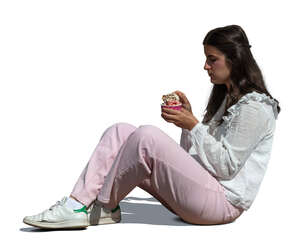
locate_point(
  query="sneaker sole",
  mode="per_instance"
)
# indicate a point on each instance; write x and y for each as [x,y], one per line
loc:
[104,221]
[115,217]
[59,225]
[108,220]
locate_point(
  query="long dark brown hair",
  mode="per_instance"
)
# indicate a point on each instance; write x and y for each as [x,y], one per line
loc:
[245,75]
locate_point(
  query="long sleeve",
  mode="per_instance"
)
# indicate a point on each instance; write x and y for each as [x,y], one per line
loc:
[185,140]
[224,158]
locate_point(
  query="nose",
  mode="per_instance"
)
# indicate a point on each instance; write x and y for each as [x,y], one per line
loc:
[206,66]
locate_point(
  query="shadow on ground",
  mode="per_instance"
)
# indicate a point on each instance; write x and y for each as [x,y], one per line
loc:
[148,211]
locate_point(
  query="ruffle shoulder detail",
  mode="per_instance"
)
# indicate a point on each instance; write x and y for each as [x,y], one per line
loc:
[234,110]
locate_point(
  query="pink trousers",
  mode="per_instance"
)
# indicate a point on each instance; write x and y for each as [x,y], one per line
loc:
[126,157]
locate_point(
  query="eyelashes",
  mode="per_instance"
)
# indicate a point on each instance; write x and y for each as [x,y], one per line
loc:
[210,61]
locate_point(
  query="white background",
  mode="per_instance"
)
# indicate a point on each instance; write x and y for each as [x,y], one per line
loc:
[70,69]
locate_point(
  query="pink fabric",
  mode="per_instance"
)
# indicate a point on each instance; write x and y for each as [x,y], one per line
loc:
[126,157]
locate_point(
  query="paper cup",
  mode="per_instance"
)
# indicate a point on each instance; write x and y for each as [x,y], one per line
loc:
[174,107]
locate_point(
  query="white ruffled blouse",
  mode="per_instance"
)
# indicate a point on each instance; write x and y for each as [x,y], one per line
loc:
[237,152]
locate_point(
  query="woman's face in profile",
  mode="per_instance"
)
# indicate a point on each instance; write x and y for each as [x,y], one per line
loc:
[216,66]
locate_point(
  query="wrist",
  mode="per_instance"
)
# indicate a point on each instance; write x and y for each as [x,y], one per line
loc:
[193,125]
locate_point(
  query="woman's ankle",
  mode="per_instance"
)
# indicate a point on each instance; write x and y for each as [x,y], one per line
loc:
[73,197]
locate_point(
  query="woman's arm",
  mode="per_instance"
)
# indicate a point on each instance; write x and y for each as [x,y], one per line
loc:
[185,140]
[224,158]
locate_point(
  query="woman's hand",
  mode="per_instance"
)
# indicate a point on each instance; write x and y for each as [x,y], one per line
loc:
[185,102]
[181,118]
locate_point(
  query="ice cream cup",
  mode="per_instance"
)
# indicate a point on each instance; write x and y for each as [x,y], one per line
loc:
[174,107]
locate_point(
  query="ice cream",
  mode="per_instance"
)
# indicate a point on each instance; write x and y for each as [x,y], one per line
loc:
[172,101]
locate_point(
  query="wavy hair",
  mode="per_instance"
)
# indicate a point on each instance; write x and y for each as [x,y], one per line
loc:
[245,74]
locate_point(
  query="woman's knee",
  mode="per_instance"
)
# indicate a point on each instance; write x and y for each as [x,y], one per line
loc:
[120,129]
[148,130]
[123,125]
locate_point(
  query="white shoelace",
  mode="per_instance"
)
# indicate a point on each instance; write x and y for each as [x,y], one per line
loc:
[58,203]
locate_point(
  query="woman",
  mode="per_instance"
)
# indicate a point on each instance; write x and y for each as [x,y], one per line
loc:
[212,177]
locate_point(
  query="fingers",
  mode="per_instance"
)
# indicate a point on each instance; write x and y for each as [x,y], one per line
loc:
[168,119]
[179,93]
[182,97]
[169,114]
[185,99]
[163,115]
[169,110]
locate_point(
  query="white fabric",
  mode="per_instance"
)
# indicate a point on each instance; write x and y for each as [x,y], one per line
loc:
[73,204]
[237,152]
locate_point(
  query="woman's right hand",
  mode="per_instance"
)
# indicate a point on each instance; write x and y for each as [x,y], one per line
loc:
[185,102]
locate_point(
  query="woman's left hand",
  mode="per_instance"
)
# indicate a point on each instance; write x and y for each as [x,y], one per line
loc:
[181,118]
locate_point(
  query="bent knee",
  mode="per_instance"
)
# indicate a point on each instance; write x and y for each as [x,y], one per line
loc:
[124,125]
[148,128]
[147,131]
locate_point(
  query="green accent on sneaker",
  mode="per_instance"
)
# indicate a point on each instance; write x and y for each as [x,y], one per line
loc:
[83,209]
[115,209]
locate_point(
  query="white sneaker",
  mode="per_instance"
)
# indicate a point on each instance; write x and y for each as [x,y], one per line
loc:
[98,215]
[59,216]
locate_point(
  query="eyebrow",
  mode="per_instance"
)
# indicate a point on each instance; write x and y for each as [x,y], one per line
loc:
[211,56]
